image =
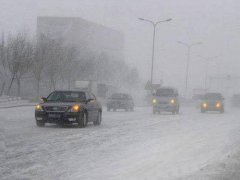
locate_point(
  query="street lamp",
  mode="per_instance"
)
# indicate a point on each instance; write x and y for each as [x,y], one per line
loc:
[189,46]
[207,61]
[154,32]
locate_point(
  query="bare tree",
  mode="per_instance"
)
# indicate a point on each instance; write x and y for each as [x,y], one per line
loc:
[54,62]
[3,64]
[39,64]
[19,58]
[69,64]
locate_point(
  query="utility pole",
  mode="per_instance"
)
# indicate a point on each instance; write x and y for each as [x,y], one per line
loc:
[189,47]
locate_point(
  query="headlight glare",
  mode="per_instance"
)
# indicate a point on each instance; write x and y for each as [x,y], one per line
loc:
[154,101]
[205,105]
[38,107]
[75,108]
[172,101]
[218,105]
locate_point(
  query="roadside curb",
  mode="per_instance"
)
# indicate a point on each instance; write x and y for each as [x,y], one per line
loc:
[14,106]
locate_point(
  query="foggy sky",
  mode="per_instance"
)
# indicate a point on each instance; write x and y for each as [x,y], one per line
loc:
[213,22]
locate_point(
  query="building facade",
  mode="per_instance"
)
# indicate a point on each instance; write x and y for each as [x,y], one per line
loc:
[83,34]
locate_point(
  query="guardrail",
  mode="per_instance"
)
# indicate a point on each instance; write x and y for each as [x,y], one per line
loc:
[4,99]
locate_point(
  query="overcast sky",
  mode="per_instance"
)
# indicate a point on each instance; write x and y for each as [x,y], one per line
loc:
[216,23]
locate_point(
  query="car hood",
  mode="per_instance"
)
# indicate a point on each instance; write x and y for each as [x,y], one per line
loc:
[163,99]
[212,101]
[61,103]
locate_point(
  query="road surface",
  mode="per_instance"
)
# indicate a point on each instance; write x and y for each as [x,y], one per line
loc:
[128,145]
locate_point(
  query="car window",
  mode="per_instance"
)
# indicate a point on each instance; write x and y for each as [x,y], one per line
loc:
[213,96]
[92,96]
[66,96]
[117,96]
[165,92]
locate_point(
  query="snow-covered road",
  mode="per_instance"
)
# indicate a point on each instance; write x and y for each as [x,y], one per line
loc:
[128,145]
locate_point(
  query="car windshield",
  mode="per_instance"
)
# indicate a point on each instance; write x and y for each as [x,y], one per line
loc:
[213,96]
[119,96]
[67,97]
[165,92]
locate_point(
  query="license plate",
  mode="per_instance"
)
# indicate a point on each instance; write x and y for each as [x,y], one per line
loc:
[54,115]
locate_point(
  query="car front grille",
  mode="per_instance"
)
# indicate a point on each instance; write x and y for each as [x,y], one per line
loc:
[55,108]
[163,102]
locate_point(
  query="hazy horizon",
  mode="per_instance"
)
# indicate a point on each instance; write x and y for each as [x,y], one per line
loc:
[214,23]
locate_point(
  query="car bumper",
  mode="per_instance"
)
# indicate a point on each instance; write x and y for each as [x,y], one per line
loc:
[213,108]
[57,117]
[118,106]
[164,107]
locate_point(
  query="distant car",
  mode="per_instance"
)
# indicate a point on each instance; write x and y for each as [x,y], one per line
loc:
[235,100]
[166,99]
[212,102]
[120,101]
[69,107]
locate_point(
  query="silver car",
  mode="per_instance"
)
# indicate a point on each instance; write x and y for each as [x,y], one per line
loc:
[166,100]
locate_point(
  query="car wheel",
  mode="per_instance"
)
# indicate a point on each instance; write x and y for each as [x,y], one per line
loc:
[114,109]
[108,109]
[154,112]
[98,120]
[177,111]
[222,111]
[203,111]
[83,120]
[40,123]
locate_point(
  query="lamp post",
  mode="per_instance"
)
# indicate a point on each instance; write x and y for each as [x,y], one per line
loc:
[154,24]
[207,61]
[189,46]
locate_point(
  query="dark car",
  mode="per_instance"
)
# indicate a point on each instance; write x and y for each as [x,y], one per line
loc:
[212,102]
[166,100]
[120,101]
[69,107]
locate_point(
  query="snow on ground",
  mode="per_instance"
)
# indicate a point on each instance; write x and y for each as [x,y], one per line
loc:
[128,145]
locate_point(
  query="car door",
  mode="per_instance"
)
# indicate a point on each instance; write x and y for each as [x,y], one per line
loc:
[95,106]
[89,107]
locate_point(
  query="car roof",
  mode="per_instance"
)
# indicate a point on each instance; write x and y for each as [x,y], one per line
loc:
[166,87]
[213,93]
[70,91]
[120,94]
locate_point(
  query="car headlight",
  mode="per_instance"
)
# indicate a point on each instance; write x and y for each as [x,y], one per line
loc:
[75,108]
[38,107]
[154,101]
[172,101]
[218,105]
[205,105]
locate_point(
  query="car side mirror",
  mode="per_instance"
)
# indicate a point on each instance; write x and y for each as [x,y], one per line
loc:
[89,100]
[43,99]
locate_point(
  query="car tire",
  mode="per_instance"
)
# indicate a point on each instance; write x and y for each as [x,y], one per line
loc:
[98,120]
[203,111]
[114,109]
[108,109]
[132,109]
[40,123]
[177,111]
[222,111]
[83,120]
